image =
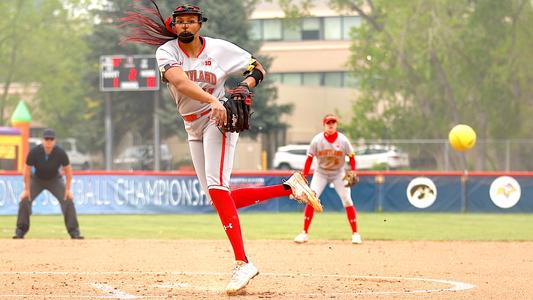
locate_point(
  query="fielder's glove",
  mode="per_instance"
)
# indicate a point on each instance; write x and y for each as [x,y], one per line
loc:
[350,179]
[239,108]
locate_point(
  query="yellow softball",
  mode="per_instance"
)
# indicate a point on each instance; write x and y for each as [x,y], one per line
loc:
[462,137]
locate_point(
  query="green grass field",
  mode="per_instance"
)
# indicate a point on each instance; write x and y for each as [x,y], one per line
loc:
[326,226]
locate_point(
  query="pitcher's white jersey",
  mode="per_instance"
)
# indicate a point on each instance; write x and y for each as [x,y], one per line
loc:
[330,156]
[217,60]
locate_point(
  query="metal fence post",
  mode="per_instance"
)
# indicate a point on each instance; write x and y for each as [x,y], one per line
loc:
[157,133]
[464,194]
[379,180]
[108,133]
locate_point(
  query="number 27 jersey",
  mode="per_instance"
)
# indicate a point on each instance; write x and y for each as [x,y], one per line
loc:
[330,156]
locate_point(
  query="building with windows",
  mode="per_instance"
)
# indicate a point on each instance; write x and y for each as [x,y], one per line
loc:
[310,56]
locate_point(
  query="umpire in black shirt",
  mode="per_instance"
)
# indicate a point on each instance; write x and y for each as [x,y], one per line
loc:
[42,172]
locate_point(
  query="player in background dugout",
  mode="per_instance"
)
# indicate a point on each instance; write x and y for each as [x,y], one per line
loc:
[195,69]
[42,172]
[330,148]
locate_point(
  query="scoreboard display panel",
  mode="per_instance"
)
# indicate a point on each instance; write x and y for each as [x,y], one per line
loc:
[129,73]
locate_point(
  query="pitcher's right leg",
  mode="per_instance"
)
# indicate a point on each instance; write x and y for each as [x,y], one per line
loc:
[219,151]
[227,213]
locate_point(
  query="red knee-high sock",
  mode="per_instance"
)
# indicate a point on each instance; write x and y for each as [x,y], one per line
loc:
[351,214]
[249,196]
[230,220]
[308,217]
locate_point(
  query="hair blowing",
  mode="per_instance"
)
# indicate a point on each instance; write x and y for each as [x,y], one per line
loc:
[145,25]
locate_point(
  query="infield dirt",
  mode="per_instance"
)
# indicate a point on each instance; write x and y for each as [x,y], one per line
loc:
[185,269]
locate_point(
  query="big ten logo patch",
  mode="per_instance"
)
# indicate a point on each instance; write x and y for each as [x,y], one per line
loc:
[505,192]
[421,192]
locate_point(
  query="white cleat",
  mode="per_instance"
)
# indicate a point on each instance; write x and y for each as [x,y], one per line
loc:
[301,238]
[356,238]
[242,274]
[302,192]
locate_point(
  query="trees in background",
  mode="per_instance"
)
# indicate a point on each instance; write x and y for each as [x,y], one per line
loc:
[424,66]
[427,65]
[41,45]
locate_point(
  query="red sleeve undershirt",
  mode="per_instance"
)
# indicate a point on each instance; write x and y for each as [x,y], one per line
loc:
[308,163]
[352,161]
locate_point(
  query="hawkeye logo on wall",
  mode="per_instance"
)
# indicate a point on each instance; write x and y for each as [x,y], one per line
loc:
[421,192]
[505,192]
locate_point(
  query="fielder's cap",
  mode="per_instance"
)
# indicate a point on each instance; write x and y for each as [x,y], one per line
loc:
[49,133]
[329,118]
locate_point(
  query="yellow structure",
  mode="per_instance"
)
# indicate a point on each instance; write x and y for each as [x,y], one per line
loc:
[14,145]
[11,145]
[21,119]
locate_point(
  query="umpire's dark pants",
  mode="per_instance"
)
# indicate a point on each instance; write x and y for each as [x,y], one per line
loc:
[56,186]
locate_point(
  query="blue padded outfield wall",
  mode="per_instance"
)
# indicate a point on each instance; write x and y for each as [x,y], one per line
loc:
[173,193]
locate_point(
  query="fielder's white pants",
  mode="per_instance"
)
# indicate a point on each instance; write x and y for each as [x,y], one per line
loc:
[319,182]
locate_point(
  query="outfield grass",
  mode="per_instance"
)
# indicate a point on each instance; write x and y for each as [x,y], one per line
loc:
[326,226]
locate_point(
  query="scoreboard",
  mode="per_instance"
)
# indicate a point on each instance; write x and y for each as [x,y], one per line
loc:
[129,73]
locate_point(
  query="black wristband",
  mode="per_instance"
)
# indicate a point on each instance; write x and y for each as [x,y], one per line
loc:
[257,76]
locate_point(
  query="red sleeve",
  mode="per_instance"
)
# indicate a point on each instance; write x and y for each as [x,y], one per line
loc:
[352,161]
[308,163]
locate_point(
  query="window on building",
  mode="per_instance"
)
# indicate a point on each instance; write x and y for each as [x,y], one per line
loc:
[292,78]
[256,30]
[350,80]
[276,77]
[292,31]
[329,79]
[312,79]
[347,24]
[333,79]
[311,29]
[272,30]
[332,28]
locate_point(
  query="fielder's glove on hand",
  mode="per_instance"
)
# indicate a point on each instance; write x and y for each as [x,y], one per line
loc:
[239,108]
[350,179]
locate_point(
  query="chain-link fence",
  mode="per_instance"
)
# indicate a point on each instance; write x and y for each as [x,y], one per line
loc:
[487,155]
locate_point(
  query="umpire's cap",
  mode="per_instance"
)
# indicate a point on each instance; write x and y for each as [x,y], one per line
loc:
[49,133]
[189,9]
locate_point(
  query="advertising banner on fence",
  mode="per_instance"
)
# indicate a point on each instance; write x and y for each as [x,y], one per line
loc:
[500,194]
[132,194]
[173,194]
[119,194]
[421,193]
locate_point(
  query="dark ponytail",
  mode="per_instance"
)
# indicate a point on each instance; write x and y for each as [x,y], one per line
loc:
[145,25]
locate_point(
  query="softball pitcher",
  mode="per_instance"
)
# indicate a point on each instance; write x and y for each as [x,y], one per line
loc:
[195,69]
[330,147]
